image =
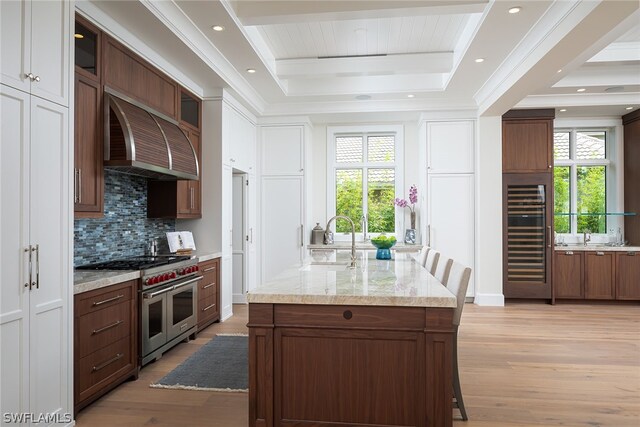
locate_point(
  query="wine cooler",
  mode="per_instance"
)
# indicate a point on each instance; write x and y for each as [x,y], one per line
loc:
[527,235]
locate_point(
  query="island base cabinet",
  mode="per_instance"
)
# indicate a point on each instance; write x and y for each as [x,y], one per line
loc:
[628,276]
[328,365]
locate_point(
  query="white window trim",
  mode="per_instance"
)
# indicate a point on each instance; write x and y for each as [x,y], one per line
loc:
[614,175]
[398,165]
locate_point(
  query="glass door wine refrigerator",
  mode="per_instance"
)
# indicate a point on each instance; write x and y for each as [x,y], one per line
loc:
[528,235]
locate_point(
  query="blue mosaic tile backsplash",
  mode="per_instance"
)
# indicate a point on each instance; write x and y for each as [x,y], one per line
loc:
[125,229]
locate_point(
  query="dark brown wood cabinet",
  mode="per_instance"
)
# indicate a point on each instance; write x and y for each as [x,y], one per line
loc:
[627,275]
[599,275]
[330,365]
[568,277]
[527,141]
[105,340]
[130,75]
[631,123]
[88,175]
[209,293]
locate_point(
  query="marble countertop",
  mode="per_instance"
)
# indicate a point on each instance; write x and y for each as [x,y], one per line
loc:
[398,282]
[596,247]
[88,280]
[398,247]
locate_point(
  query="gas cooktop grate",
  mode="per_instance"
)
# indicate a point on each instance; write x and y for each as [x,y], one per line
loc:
[134,263]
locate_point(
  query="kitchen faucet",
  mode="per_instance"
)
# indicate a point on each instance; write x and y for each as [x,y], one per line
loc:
[364,223]
[353,237]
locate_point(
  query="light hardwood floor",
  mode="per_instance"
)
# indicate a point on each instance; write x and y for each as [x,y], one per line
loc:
[525,364]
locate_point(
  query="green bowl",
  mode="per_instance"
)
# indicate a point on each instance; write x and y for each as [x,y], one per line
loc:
[383,242]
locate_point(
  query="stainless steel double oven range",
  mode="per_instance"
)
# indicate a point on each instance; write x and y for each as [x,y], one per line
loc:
[167,300]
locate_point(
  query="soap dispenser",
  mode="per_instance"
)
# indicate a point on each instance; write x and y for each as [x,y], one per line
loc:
[317,235]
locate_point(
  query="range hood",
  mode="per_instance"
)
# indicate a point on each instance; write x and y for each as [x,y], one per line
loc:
[144,142]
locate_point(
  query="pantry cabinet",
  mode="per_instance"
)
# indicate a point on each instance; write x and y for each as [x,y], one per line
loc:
[34,48]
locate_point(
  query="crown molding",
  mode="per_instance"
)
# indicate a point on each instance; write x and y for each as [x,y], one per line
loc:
[579,100]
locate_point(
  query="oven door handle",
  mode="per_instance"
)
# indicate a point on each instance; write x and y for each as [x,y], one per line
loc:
[188,282]
[149,295]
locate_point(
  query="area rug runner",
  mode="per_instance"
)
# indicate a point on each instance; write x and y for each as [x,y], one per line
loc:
[222,364]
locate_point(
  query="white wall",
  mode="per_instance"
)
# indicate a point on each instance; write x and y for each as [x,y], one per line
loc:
[319,173]
[489,212]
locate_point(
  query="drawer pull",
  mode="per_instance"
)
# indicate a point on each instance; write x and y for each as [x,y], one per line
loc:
[211,306]
[208,269]
[599,253]
[107,363]
[113,325]
[631,253]
[208,286]
[347,314]
[116,298]
[569,253]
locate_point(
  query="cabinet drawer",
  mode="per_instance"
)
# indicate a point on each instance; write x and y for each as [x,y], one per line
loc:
[90,302]
[99,368]
[207,307]
[334,316]
[207,288]
[104,327]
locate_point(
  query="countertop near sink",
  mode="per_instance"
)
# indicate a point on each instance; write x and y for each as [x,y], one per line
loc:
[88,280]
[398,282]
[398,247]
[597,248]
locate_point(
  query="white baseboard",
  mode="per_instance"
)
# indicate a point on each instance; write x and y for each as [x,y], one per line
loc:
[239,298]
[495,300]
[224,316]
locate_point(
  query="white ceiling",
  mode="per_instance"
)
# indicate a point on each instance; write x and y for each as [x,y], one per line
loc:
[322,57]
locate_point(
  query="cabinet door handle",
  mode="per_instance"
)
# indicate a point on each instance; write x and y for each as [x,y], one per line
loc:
[301,235]
[37,78]
[208,269]
[75,185]
[208,286]
[211,306]
[428,234]
[599,253]
[28,284]
[104,328]
[631,253]
[30,76]
[107,363]
[37,282]
[569,253]
[117,297]
[251,235]
[79,185]
[549,236]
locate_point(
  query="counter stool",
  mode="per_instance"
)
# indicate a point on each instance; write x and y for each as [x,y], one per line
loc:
[442,269]
[457,283]
[432,261]
[422,256]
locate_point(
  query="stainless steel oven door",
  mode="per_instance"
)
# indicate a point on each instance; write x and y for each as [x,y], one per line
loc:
[182,305]
[154,319]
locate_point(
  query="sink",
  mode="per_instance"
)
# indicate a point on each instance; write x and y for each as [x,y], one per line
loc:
[325,266]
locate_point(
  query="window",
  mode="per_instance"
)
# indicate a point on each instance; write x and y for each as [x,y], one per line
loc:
[363,177]
[581,168]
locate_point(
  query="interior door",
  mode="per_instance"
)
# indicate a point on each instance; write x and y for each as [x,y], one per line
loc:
[238,240]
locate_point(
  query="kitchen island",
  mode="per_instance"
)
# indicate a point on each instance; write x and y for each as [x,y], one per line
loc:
[370,346]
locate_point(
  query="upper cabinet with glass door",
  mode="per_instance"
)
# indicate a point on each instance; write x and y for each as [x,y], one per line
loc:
[87,45]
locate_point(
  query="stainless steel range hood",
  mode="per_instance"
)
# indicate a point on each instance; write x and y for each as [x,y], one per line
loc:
[144,142]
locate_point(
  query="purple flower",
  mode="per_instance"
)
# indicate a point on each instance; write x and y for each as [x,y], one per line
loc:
[413,194]
[413,199]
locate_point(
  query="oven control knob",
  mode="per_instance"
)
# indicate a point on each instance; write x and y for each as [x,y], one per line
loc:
[165,276]
[187,270]
[152,281]
[173,275]
[157,279]
[196,268]
[148,281]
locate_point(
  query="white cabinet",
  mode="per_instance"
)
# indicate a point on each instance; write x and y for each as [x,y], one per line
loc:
[34,47]
[282,223]
[35,248]
[252,223]
[226,267]
[450,194]
[239,140]
[450,147]
[282,150]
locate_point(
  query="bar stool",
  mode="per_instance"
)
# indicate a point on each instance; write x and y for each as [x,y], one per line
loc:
[422,256]
[442,269]
[432,261]
[457,283]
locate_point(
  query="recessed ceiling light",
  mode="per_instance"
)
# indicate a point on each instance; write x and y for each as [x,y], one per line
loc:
[251,70]
[581,89]
[629,108]
[479,59]
[363,97]
[218,28]
[78,36]
[515,9]
[411,95]
[562,110]
[560,70]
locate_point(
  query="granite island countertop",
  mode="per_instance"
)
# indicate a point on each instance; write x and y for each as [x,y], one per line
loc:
[398,282]
[346,245]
